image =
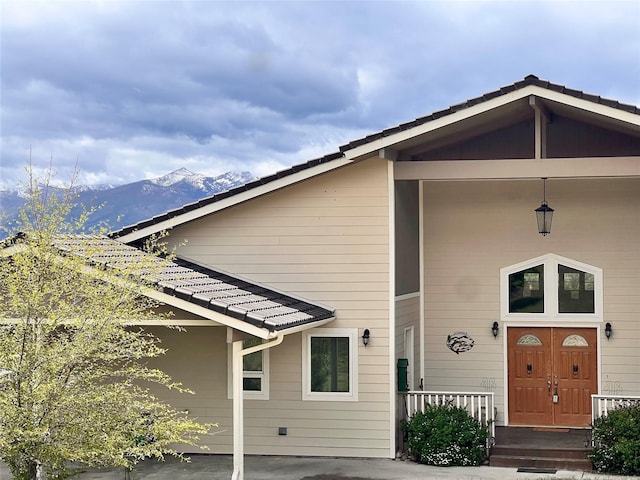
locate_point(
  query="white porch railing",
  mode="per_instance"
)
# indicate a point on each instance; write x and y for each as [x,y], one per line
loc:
[602,404]
[480,405]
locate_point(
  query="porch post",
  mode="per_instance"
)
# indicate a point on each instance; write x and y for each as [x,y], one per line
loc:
[238,413]
[237,376]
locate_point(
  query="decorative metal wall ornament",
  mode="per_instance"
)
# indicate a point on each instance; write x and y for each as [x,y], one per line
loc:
[460,342]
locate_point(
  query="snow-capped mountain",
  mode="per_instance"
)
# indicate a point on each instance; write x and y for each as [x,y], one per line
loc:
[131,203]
[182,174]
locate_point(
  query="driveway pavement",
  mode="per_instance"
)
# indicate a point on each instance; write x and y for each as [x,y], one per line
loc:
[220,467]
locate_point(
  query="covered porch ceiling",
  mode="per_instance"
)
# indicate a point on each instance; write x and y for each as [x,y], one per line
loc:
[528,100]
[530,137]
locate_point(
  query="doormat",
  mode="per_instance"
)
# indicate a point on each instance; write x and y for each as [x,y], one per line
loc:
[551,429]
[537,470]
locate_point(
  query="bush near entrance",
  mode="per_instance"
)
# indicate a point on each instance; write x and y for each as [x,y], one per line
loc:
[616,439]
[446,435]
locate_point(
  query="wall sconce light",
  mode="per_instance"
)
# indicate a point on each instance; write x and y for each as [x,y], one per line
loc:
[495,328]
[365,337]
[608,330]
[544,213]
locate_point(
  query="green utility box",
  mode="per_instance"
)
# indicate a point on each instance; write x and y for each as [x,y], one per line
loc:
[403,381]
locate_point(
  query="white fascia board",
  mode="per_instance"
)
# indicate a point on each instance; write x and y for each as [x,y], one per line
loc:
[305,326]
[582,104]
[212,315]
[234,200]
[468,112]
[170,322]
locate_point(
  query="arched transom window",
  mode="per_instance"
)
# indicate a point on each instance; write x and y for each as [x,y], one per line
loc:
[551,287]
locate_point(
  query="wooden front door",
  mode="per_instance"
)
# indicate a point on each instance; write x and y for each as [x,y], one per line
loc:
[552,374]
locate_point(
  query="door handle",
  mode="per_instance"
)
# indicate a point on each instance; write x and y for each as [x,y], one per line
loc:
[529,368]
[556,397]
[549,384]
[575,369]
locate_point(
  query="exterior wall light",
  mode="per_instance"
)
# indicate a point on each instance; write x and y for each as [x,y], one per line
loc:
[495,328]
[365,337]
[608,330]
[544,213]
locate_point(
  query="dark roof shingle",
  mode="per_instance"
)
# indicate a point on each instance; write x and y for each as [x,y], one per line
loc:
[208,288]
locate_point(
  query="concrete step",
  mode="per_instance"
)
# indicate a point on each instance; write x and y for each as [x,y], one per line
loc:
[552,452]
[541,462]
[562,449]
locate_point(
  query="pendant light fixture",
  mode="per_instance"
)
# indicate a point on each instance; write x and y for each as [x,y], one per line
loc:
[544,213]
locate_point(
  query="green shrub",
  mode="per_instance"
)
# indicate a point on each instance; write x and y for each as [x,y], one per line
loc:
[445,435]
[616,440]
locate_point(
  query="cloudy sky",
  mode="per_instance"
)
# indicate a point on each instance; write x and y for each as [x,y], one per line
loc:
[135,89]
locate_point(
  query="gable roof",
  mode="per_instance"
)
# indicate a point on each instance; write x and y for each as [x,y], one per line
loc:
[530,85]
[214,295]
[529,80]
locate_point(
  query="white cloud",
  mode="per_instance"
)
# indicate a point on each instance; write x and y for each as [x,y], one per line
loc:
[135,89]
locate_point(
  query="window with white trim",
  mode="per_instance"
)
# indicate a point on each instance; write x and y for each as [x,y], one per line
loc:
[255,372]
[551,287]
[329,364]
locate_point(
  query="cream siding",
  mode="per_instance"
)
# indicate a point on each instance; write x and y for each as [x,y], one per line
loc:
[325,239]
[472,229]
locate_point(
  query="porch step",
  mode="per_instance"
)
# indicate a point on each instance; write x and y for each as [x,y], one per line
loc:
[522,447]
[557,458]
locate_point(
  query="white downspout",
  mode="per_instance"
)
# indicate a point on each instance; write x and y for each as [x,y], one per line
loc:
[238,400]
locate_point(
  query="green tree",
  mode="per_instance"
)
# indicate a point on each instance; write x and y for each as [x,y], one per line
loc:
[75,386]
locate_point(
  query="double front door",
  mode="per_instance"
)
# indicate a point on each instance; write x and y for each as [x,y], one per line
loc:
[552,374]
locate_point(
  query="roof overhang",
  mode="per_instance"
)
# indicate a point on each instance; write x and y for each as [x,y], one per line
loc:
[179,278]
[220,319]
[513,105]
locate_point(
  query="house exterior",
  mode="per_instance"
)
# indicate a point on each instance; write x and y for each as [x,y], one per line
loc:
[423,236]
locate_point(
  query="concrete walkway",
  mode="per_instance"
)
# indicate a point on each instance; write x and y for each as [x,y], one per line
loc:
[219,467]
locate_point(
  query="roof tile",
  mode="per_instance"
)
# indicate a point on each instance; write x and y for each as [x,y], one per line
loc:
[197,284]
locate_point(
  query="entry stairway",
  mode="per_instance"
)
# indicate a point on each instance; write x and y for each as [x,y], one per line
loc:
[540,449]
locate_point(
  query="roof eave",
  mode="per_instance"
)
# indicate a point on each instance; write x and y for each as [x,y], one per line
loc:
[228,321]
[305,326]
